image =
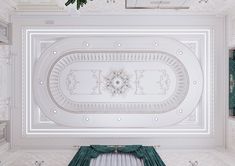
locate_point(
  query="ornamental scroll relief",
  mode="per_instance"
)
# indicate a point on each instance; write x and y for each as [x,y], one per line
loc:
[84,81]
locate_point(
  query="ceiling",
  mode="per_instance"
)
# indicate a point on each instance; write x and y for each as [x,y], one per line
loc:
[102,7]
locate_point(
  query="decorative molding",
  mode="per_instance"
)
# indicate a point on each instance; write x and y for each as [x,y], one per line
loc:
[4,82]
[4,147]
[61,157]
[117,83]
[4,33]
[77,85]
[102,7]
[3,132]
[92,83]
[192,125]
[207,132]
[4,109]
[6,8]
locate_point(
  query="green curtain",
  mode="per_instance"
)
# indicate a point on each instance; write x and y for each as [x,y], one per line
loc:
[232,77]
[147,153]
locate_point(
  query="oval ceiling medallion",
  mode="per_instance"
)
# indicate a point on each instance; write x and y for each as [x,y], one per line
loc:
[166,81]
[126,82]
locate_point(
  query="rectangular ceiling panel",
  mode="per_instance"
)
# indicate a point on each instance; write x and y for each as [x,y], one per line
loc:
[158,4]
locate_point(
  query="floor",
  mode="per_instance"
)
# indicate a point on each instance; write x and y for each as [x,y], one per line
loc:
[170,157]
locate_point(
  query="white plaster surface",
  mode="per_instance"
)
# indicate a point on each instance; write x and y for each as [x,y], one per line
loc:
[170,157]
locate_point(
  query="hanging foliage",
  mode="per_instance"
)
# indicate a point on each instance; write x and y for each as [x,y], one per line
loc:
[80,3]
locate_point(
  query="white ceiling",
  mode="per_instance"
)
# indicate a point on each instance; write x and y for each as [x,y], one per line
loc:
[102,7]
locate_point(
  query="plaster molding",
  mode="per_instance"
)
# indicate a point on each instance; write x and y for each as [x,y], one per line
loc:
[193,45]
[101,7]
[171,157]
[4,109]
[4,147]
[6,9]
[164,84]
[38,131]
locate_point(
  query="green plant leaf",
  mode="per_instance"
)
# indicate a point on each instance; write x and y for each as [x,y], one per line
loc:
[80,3]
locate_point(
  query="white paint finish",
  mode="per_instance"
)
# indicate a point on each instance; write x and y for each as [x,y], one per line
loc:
[4,79]
[6,8]
[230,23]
[192,125]
[4,33]
[170,107]
[3,132]
[163,139]
[170,157]
[4,82]
[102,7]
[157,4]
[231,134]
[4,147]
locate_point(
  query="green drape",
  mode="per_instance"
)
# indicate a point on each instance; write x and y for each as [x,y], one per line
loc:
[232,78]
[146,153]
